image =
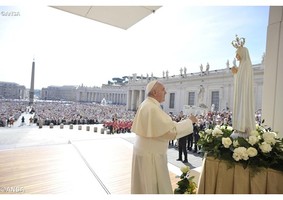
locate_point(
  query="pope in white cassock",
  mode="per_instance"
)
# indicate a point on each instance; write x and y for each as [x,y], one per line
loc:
[154,128]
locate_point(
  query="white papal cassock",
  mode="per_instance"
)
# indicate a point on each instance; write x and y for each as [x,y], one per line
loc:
[154,128]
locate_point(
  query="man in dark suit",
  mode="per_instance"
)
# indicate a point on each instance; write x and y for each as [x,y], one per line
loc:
[182,143]
[182,148]
[190,142]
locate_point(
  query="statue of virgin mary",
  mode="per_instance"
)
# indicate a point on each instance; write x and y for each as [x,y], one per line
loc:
[243,118]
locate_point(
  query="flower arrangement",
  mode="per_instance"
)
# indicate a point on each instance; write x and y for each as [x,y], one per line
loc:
[261,149]
[186,185]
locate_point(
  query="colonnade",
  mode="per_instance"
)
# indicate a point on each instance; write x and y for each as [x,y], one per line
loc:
[135,97]
[115,98]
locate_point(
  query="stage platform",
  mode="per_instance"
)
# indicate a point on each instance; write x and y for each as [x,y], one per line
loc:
[70,161]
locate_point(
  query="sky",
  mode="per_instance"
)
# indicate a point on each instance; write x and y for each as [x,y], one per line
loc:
[72,50]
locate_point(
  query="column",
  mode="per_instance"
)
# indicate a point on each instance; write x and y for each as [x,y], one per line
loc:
[31,90]
[140,97]
[133,100]
[129,101]
[272,107]
[124,99]
[119,98]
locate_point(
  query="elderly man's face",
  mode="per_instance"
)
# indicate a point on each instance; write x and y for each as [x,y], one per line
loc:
[160,93]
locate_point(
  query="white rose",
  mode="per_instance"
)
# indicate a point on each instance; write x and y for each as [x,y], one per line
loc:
[265,147]
[241,153]
[241,150]
[217,132]
[185,169]
[229,128]
[236,156]
[254,133]
[269,137]
[226,142]
[245,155]
[208,131]
[222,127]
[252,151]
[253,139]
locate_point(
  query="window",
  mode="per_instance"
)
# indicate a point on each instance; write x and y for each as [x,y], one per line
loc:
[191,98]
[215,100]
[172,100]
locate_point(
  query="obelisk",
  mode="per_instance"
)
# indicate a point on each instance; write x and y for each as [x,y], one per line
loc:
[31,91]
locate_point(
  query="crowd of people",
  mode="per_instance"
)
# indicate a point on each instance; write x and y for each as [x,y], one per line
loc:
[64,112]
[79,113]
[10,111]
[208,120]
[118,125]
[114,117]
[189,142]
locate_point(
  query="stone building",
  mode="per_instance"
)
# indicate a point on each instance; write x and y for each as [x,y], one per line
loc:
[201,91]
[113,94]
[65,93]
[204,90]
[9,90]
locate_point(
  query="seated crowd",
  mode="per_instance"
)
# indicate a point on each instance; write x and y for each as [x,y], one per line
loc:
[10,111]
[65,112]
[115,117]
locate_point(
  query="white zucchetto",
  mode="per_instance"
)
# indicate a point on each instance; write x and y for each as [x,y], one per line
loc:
[149,86]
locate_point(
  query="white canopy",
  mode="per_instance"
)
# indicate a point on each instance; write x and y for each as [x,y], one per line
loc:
[119,16]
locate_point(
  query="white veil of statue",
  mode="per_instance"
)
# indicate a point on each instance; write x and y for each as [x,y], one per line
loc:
[243,119]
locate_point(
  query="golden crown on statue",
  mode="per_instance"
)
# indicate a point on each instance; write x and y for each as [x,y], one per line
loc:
[238,42]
